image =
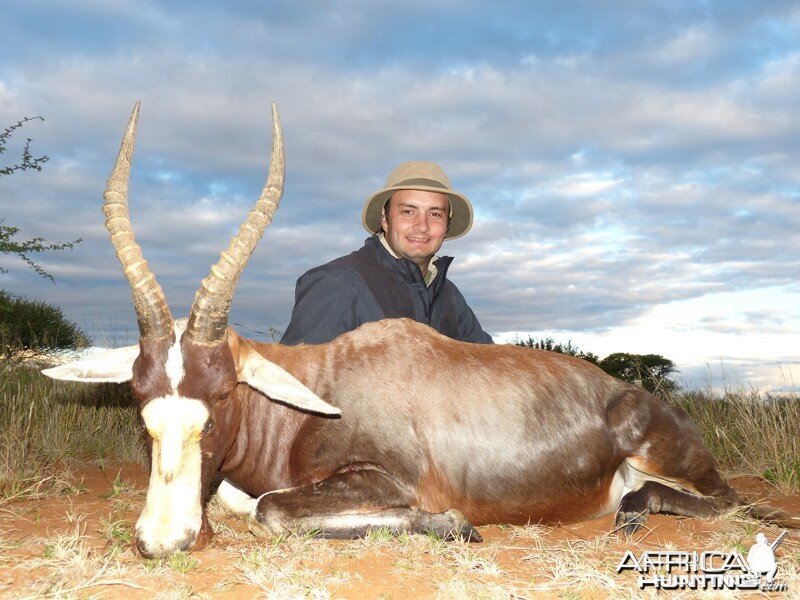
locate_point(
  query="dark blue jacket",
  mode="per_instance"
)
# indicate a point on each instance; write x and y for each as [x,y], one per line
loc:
[369,285]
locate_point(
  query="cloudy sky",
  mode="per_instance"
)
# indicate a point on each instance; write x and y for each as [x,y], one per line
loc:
[633,165]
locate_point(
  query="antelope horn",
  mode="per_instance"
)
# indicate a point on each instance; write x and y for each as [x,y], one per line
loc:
[152,312]
[212,302]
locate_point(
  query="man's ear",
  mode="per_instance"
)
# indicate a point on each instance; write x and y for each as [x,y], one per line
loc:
[113,366]
[277,384]
[384,211]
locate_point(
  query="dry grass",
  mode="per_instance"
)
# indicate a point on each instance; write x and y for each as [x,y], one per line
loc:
[69,566]
[87,559]
[49,427]
[750,434]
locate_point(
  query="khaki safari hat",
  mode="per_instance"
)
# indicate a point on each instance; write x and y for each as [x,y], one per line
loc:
[425,176]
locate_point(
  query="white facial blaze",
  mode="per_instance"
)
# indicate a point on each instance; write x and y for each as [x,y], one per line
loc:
[173,510]
[174,365]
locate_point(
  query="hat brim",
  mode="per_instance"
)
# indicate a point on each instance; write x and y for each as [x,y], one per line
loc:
[461,208]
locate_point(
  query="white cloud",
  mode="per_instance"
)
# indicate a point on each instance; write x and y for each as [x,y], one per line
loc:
[688,46]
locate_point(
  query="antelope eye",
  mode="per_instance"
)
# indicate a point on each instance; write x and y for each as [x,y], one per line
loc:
[208,427]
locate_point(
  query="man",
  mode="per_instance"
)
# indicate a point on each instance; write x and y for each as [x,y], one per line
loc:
[396,273]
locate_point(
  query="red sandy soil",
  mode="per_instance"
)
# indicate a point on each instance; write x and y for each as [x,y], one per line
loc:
[508,564]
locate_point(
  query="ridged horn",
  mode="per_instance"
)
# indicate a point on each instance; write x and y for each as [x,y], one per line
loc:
[212,302]
[152,312]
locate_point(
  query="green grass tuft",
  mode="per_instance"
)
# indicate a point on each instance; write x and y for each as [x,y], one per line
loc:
[182,562]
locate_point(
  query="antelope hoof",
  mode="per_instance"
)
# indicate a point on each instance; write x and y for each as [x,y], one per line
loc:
[461,529]
[629,522]
[265,522]
[262,530]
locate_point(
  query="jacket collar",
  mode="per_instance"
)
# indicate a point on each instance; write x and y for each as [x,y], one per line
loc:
[407,269]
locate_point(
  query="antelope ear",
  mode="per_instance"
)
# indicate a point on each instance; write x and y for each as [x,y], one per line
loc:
[113,366]
[277,384]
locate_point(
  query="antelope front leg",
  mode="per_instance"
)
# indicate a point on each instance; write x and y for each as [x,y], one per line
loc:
[349,505]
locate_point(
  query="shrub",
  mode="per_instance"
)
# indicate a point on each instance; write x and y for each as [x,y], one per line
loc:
[35,325]
[651,371]
[553,346]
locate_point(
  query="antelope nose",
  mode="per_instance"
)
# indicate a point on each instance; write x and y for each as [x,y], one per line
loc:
[189,536]
[155,550]
[143,548]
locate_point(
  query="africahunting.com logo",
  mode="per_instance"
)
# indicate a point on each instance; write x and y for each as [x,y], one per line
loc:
[711,570]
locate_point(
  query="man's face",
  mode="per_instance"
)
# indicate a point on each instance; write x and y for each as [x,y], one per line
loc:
[415,224]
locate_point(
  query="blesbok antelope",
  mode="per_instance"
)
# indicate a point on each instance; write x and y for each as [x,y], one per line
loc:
[391,425]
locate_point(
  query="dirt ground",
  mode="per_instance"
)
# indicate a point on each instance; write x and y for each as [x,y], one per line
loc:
[77,543]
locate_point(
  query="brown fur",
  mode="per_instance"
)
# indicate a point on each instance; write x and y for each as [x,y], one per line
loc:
[423,408]
[148,369]
[437,495]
